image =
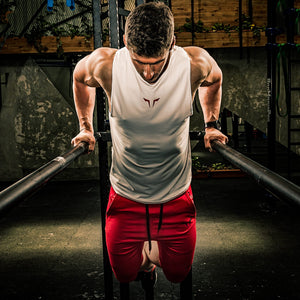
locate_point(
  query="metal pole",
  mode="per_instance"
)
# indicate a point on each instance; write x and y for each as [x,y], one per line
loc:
[241,28]
[290,31]
[114,36]
[33,18]
[97,24]
[274,183]
[186,287]
[32,182]
[103,157]
[271,82]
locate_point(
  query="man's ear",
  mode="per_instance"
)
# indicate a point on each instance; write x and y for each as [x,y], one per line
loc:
[124,40]
[173,43]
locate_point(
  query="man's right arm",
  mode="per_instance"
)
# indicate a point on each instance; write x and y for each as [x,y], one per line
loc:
[91,72]
[84,99]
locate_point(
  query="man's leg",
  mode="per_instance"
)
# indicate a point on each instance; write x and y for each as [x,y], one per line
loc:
[125,236]
[177,237]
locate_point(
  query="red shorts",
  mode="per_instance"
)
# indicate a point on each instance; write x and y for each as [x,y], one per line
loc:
[126,232]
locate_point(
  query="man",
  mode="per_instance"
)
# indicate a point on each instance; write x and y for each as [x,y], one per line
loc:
[150,85]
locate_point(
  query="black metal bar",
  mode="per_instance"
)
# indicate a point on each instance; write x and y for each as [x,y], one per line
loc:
[97,24]
[124,291]
[33,18]
[241,28]
[224,121]
[274,183]
[250,9]
[113,14]
[248,133]
[186,287]
[106,136]
[271,82]
[0,95]
[103,156]
[104,190]
[235,130]
[32,182]
[193,22]
[290,24]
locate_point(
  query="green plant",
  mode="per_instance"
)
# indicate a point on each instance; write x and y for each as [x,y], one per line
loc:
[246,25]
[188,26]
[42,27]
[197,164]
[34,37]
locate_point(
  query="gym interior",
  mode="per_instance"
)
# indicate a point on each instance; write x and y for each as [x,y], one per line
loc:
[246,194]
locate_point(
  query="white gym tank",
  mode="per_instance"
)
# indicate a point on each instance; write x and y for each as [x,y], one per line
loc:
[151,155]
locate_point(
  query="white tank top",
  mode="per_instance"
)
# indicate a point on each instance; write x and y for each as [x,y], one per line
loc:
[151,156]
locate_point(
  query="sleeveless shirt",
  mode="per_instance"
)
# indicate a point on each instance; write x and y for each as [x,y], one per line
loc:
[149,123]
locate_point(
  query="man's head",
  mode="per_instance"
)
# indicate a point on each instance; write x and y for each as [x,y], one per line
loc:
[149,29]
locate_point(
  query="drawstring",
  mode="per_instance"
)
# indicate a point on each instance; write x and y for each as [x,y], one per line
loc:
[160,217]
[148,223]
[148,227]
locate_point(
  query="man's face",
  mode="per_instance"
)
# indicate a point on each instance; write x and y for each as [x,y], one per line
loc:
[150,68]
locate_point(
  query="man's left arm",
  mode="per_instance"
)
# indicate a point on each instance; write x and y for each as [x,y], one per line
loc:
[210,94]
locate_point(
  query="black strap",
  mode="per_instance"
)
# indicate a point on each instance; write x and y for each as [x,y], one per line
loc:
[160,217]
[148,223]
[148,227]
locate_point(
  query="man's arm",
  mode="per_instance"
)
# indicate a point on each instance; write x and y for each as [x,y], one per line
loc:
[91,72]
[210,95]
[207,77]
[84,99]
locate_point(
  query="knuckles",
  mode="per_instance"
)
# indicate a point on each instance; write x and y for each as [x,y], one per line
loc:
[84,137]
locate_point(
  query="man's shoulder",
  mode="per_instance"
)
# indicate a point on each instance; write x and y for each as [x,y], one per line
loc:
[201,63]
[194,52]
[103,55]
[100,62]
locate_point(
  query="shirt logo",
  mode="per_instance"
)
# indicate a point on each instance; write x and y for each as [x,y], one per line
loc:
[149,101]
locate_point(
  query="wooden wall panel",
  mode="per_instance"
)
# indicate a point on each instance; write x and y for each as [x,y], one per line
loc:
[220,11]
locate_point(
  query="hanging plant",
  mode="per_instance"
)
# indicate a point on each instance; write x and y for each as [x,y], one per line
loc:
[42,27]
[217,27]
[34,37]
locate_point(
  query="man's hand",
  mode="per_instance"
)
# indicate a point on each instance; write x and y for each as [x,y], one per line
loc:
[213,134]
[85,136]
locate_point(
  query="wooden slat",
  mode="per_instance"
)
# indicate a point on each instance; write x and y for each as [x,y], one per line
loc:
[219,40]
[221,11]
[49,44]
[206,40]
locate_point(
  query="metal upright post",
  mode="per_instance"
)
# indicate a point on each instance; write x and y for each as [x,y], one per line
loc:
[186,287]
[113,13]
[271,82]
[103,155]
[235,130]
[241,28]
[290,25]
[114,39]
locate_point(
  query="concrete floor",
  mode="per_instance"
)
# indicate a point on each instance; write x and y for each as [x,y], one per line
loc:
[247,246]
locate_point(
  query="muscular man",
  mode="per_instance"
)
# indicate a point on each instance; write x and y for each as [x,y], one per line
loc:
[150,85]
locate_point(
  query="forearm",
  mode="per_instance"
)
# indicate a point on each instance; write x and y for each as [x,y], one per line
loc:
[84,98]
[210,100]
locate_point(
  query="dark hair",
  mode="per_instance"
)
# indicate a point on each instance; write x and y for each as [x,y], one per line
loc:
[149,29]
